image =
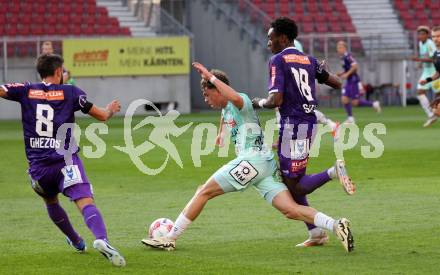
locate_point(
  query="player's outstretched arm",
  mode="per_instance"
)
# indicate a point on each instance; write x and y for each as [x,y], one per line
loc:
[274,100]
[353,69]
[429,79]
[333,81]
[224,89]
[104,114]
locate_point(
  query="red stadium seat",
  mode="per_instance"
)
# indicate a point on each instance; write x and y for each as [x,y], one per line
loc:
[125,31]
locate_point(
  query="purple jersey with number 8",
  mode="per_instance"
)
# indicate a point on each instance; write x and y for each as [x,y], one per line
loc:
[44,108]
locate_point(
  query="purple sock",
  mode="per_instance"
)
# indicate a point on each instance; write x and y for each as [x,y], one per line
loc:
[61,220]
[309,183]
[365,103]
[348,109]
[302,200]
[94,221]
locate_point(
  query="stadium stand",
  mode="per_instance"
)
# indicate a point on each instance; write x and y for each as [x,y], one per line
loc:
[314,16]
[54,17]
[414,13]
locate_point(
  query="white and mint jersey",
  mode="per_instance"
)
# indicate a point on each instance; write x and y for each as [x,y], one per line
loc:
[298,45]
[245,129]
[426,50]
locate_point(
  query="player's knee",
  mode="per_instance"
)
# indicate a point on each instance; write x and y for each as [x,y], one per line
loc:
[299,190]
[355,103]
[292,213]
[206,192]
[53,200]
[344,100]
[83,202]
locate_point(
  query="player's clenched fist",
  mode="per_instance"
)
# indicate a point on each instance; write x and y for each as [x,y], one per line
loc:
[202,70]
[114,106]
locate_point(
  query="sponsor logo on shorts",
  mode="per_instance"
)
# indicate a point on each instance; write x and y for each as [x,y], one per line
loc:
[298,165]
[50,95]
[243,173]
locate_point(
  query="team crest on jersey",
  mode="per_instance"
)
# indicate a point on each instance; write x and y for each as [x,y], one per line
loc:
[300,149]
[50,95]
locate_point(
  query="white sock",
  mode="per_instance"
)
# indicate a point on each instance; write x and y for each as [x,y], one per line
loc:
[331,124]
[424,102]
[323,221]
[180,225]
[331,172]
[278,116]
[315,232]
[321,117]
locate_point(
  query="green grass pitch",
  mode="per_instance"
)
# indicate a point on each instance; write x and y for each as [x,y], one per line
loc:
[394,213]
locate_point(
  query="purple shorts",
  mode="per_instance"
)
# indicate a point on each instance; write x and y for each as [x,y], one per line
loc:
[48,181]
[351,90]
[294,142]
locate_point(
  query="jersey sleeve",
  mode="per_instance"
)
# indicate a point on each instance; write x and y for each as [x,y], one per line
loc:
[79,99]
[276,78]
[320,72]
[431,49]
[351,60]
[247,104]
[15,91]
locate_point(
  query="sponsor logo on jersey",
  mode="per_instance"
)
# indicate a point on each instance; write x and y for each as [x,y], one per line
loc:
[295,58]
[50,95]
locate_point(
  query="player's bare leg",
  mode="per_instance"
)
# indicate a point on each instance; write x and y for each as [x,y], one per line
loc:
[291,210]
[192,210]
[424,102]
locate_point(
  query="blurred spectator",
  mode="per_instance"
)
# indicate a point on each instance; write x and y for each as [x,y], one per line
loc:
[47,48]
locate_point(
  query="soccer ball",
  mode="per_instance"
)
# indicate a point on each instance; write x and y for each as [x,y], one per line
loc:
[160,228]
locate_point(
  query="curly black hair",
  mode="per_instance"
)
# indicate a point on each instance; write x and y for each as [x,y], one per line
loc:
[286,26]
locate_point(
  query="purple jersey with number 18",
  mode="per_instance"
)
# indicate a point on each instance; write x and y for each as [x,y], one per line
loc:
[293,74]
[44,108]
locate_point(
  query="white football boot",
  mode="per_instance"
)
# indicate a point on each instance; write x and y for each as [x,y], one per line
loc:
[109,252]
[377,107]
[344,179]
[431,120]
[315,240]
[343,232]
[160,243]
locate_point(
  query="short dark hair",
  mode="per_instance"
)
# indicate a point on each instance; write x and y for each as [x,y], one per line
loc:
[286,26]
[436,29]
[219,74]
[424,29]
[48,63]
